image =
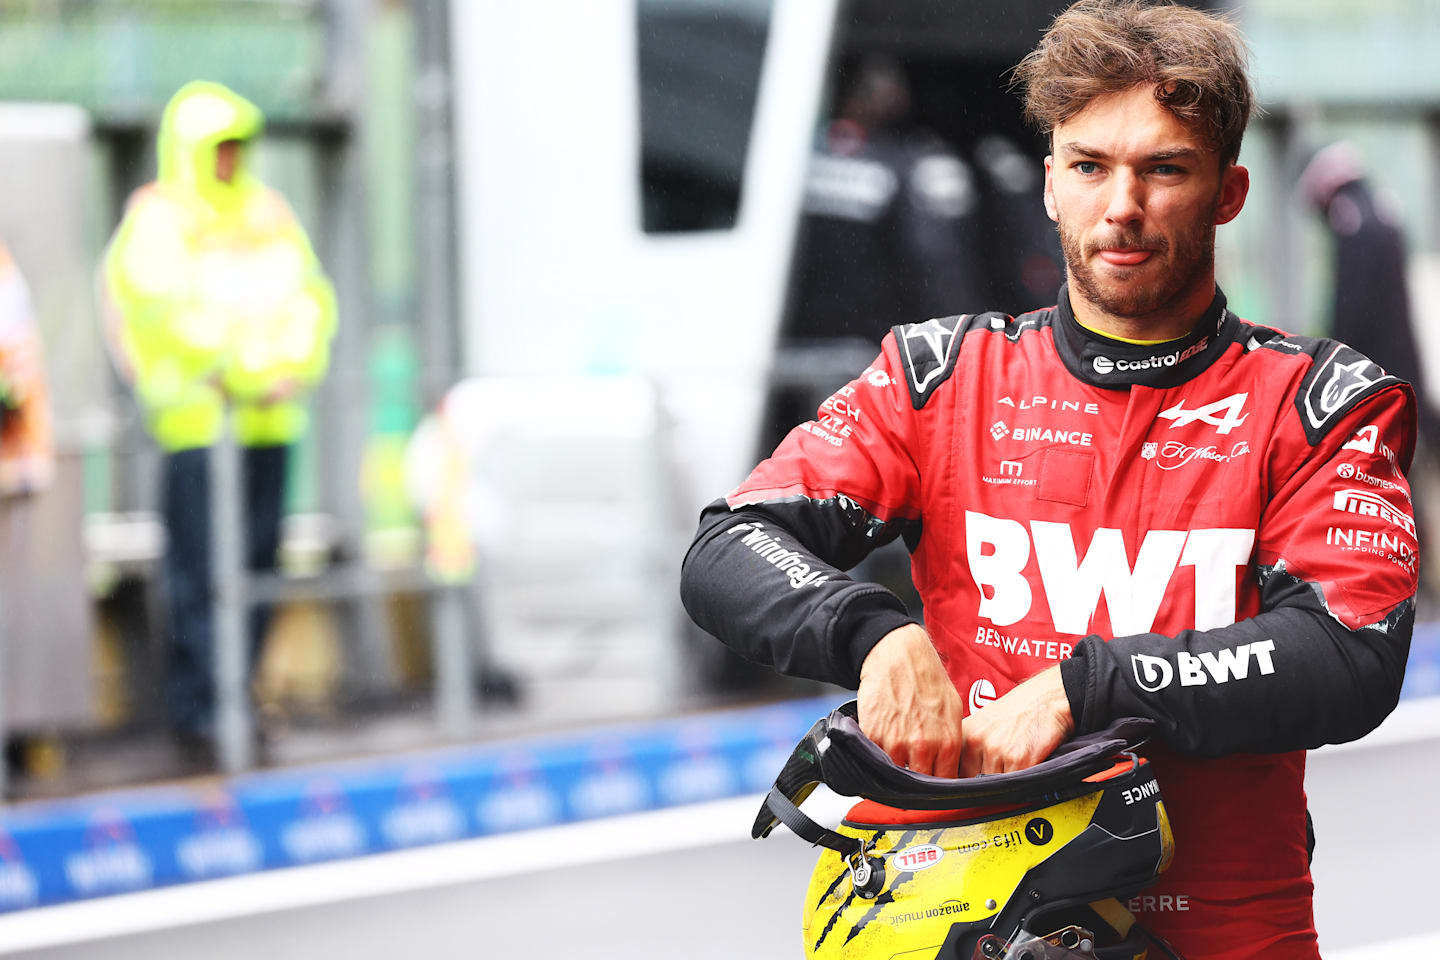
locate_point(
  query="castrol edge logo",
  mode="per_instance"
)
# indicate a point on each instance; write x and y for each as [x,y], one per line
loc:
[1106,365]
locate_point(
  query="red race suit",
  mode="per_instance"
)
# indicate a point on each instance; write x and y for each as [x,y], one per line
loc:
[1213,532]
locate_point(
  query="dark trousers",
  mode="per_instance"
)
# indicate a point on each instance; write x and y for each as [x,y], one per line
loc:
[188,569]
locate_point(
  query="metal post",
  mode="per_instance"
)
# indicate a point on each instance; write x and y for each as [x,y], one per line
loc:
[440,340]
[230,658]
[441,343]
[453,668]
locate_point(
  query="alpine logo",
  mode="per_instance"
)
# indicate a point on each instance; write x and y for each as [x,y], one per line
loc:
[1196,670]
[1210,413]
[770,548]
[1368,504]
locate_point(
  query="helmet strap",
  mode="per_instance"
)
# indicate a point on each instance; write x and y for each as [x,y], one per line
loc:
[866,873]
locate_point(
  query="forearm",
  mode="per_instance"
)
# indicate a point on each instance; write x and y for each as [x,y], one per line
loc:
[1291,678]
[751,582]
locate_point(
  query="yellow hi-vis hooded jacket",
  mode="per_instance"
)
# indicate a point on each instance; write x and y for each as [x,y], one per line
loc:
[213,288]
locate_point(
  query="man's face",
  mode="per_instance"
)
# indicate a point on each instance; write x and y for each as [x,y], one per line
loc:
[1137,195]
[227,159]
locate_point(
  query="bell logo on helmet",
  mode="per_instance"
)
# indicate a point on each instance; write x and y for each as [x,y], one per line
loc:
[917,858]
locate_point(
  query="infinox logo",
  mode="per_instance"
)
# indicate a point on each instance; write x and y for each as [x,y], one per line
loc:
[1368,504]
[1196,670]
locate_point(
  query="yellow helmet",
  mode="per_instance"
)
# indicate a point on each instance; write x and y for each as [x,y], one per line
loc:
[1032,868]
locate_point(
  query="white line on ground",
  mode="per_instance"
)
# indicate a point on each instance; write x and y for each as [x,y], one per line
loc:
[466,861]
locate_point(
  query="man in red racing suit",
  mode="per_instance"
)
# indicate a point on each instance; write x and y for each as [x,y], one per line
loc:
[1214,531]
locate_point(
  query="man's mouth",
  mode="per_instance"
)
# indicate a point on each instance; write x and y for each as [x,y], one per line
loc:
[1124,258]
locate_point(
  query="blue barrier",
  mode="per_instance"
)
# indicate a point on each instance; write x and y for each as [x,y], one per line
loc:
[137,840]
[154,837]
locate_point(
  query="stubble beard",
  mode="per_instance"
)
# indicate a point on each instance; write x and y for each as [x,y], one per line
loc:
[1190,256]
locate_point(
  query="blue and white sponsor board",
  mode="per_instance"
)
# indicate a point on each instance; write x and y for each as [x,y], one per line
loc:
[54,852]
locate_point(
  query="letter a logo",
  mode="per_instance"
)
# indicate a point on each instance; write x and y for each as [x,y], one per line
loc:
[1231,405]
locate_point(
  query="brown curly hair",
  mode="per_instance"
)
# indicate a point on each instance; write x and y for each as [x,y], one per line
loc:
[1196,61]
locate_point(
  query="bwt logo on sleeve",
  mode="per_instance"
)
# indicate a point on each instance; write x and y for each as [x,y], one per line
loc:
[1222,666]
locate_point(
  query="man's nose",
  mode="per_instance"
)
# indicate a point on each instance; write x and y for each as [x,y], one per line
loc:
[1127,199]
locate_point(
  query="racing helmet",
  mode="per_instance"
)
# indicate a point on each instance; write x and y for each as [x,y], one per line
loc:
[1028,865]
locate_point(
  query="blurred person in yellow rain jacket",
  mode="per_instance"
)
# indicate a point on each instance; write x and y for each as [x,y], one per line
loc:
[216,301]
[27,450]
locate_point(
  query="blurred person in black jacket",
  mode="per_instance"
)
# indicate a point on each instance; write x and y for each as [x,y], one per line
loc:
[890,230]
[1371,303]
[1021,253]
[891,226]
[1371,306]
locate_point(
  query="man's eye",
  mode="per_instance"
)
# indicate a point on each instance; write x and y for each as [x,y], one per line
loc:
[1087,167]
[1168,170]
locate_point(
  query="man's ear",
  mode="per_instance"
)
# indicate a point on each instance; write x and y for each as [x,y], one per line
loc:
[1234,188]
[1050,210]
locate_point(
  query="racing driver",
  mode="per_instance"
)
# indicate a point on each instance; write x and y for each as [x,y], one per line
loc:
[1131,503]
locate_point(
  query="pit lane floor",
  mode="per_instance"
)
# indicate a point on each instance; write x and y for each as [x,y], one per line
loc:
[669,884]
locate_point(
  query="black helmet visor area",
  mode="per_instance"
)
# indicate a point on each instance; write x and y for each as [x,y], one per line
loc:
[798,779]
[837,753]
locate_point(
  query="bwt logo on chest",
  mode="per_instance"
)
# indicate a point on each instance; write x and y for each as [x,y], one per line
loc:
[999,550]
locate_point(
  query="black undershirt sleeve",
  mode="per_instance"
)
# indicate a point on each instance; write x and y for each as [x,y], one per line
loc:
[767,581]
[1290,678]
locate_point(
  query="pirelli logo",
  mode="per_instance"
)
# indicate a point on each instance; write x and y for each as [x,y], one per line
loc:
[1367,504]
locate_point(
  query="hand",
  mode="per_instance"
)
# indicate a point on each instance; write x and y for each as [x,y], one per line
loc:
[1019,729]
[909,706]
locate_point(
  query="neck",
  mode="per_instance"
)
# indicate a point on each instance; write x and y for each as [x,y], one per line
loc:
[1170,321]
